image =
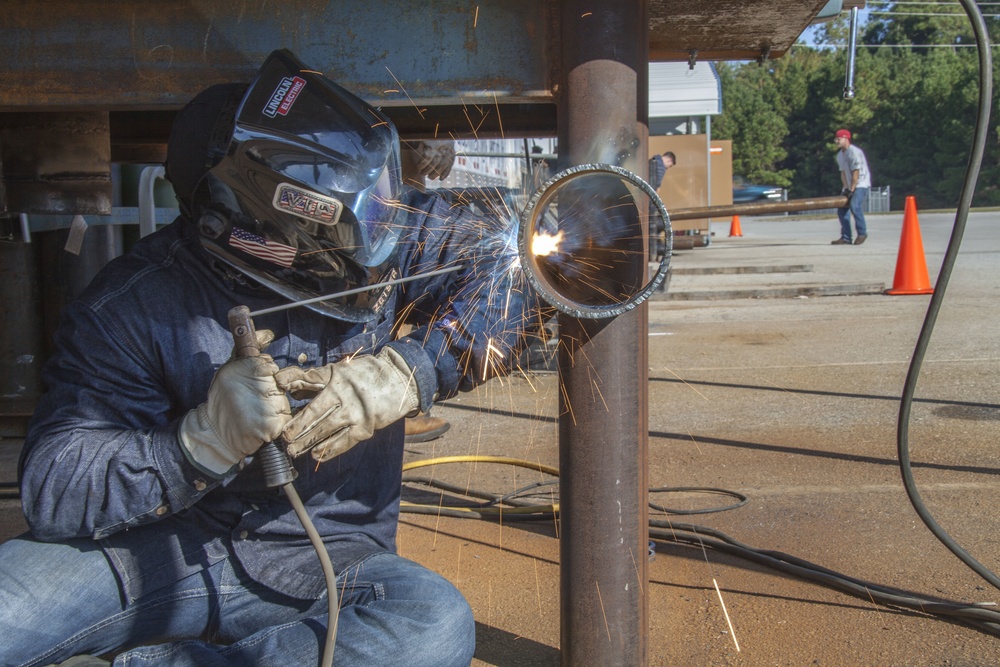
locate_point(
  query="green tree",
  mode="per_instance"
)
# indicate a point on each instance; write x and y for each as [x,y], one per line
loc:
[753,124]
[913,113]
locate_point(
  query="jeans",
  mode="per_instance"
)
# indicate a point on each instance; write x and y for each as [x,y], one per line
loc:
[61,600]
[855,208]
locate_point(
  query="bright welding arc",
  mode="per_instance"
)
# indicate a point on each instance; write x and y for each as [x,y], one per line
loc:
[585,238]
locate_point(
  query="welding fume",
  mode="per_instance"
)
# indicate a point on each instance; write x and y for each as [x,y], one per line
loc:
[153,535]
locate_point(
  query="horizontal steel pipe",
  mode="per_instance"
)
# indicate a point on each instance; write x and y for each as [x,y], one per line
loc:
[791,205]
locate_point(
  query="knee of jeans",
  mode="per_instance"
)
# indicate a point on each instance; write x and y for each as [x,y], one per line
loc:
[453,632]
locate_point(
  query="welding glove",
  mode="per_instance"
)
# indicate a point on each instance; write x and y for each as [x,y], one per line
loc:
[435,158]
[351,400]
[245,409]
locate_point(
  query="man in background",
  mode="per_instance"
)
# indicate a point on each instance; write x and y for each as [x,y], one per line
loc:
[856,181]
[658,165]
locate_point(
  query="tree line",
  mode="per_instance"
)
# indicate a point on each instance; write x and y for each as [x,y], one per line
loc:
[914,110]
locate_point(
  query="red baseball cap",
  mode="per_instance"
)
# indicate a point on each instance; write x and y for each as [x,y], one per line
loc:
[843,133]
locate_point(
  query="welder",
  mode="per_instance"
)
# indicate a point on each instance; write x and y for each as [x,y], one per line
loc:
[153,537]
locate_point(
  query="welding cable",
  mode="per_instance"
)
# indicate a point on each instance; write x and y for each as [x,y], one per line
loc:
[482,510]
[492,505]
[517,507]
[743,500]
[951,254]
[333,604]
[977,616]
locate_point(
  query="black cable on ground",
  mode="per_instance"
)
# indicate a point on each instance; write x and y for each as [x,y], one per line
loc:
[517,506]
[933,308]
[982,617]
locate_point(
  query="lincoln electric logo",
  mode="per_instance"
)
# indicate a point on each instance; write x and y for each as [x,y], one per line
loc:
[284,96]
[307,205]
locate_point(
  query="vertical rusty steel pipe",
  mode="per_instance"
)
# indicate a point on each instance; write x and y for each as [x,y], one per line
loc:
[603,419]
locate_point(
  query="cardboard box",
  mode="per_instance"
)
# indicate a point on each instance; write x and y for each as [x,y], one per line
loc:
[700,165]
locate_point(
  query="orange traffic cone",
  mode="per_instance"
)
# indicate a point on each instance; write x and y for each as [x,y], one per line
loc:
[734,227]
[911,268]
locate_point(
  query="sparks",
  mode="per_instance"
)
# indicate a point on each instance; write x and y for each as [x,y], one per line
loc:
[728,622]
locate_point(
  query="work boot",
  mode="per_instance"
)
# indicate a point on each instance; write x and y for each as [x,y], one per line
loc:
[861,239]
[424,428]
[840,242]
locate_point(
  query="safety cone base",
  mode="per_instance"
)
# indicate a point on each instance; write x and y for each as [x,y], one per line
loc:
[900,292]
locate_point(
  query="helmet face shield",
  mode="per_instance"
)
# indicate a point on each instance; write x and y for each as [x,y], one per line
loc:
[304,196]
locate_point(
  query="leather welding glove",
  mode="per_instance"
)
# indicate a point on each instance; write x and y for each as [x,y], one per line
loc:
[352,399]
[245,409]
[435,159]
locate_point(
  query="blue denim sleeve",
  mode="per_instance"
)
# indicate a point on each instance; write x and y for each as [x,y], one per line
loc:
[471,323]
[101,453]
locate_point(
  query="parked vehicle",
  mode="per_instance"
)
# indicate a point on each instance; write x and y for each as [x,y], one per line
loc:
[745,192]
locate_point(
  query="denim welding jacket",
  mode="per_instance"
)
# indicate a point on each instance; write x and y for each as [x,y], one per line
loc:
[139,348]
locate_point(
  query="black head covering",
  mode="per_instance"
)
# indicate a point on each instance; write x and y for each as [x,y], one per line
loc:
[199,137]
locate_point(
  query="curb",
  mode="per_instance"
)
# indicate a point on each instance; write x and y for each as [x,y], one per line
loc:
[846,289]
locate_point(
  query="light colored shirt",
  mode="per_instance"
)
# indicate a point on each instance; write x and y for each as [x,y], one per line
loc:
[853,159]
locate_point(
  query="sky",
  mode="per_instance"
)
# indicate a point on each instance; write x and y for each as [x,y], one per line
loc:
[808,36]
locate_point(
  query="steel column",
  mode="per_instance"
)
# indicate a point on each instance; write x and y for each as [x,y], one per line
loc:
[603,419]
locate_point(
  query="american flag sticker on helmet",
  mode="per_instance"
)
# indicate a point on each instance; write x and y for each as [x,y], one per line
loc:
[258,246]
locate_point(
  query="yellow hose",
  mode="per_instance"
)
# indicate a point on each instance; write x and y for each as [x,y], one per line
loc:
[505,460]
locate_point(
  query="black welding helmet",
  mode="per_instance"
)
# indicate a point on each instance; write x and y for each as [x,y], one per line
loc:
[300,186]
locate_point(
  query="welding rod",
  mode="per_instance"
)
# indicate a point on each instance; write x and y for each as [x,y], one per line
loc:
[357,290]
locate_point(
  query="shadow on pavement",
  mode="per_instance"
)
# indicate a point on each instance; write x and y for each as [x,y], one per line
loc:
[504,649]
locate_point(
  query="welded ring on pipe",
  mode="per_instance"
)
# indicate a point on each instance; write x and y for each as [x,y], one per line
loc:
[595,261]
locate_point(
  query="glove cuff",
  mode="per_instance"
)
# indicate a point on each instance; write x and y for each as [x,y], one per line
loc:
[202,446]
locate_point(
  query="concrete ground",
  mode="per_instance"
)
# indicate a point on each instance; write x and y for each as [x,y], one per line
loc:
[789,399]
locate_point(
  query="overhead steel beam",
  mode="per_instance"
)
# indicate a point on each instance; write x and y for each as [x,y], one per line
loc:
[140,55]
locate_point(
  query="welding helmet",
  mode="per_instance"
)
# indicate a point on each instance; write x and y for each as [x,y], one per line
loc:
[294,182]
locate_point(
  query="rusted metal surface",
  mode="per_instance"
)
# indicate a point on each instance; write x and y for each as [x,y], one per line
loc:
[727,29]
[58,163]
[134,54]
[602,365]
[792,205]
